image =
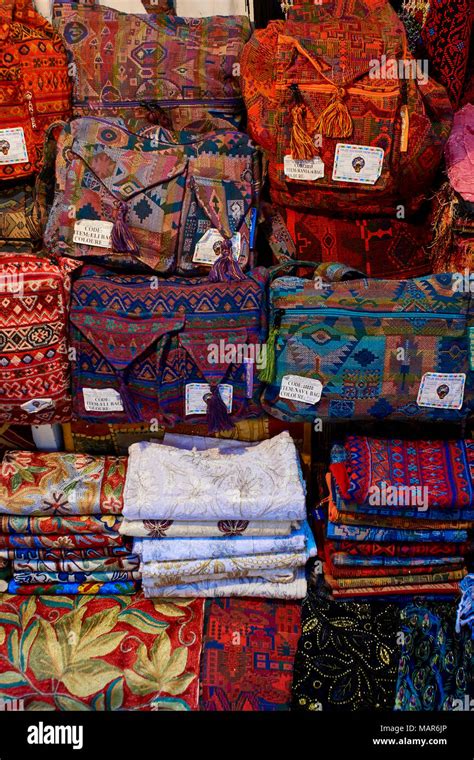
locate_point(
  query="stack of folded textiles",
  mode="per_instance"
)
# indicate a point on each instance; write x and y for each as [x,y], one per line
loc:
[223,521]
[399,513]
[59,524]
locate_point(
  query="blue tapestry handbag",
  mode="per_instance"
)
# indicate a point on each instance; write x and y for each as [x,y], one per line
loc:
[370,349]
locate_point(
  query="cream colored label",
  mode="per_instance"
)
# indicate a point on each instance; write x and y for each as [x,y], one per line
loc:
[102,400]
[93,232]
[304,171]
[307,390]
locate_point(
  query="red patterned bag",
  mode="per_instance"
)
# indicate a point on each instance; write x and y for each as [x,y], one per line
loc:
[34,362]
[379,247]
[34,86]
[335,98]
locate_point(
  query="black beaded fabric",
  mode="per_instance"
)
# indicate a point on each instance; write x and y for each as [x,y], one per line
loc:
[347,657]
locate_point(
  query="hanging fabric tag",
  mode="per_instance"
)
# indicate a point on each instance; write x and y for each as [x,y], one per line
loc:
[194,398]
[303,170]
[93,232]
[102,400]
[206,250]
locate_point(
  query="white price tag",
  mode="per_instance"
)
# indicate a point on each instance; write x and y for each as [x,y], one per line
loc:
[102,400]
[204,252]
[307,390]
[305,171]
[357,163]
[37,405]
[442,390]
[93,232]
[194,397]
[13,146]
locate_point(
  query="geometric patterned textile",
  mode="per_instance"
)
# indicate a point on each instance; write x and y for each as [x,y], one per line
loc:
[440,30]
[444,468]
[34,362]
[146,345]
[379,247]
[185,68]
[311,87]
[369,343]
[162,190]
[35,87]
[248,651]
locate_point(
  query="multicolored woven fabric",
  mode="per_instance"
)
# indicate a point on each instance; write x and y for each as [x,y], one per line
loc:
[347,655]
[19,225]
[162,191]
[371,550]
[35,90]
[151,6]
[34,363]
[186,68]
[57,484]
[383,247]
[248,651]
[147,343]
[436,664]
[114,653]
[59,525]
[444,470]
[61,541]
[348,335]
[310,85]
[440,30]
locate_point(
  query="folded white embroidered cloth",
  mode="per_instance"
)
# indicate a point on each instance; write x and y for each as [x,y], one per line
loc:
[172,529]
[254,587]
[263,482]
[233,546]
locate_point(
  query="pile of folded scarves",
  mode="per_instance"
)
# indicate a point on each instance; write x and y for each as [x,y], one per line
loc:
[398,517]
[59,524]
[223,521]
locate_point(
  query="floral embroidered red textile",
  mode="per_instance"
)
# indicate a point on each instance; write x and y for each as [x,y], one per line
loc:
[113,653]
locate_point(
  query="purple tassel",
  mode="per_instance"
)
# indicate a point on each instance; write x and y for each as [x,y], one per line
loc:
[217,416]
[129,406]
[122,238]
[226,268]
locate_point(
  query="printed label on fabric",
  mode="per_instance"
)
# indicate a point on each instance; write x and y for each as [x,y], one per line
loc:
[195,393]
[207,248]
[357,163]
[471,348]
[442,390]
[307,390]
[306,171]
[13,146]
[37,405]
[102,400]
[93,232]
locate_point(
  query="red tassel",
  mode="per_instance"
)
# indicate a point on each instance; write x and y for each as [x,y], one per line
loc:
[217,415]
[122,238]
[226,268]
